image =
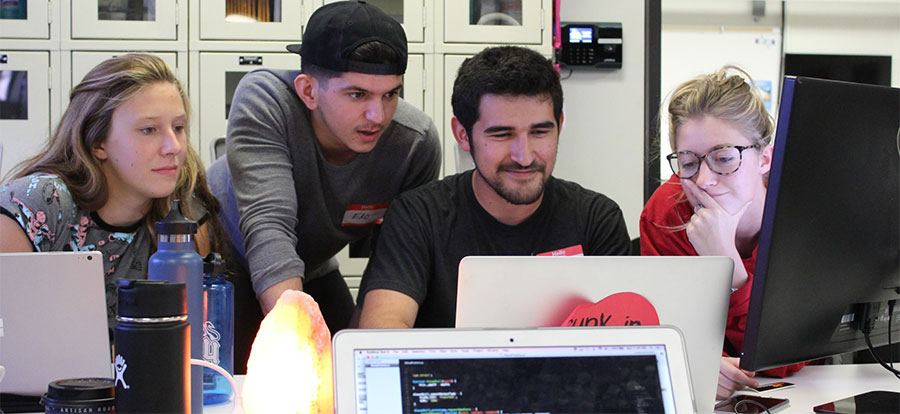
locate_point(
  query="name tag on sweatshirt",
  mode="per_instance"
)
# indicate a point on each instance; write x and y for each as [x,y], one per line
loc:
[575,250]
[364,214]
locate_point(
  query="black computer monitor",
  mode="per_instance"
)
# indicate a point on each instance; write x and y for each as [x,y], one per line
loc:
[874,70]
[829,248]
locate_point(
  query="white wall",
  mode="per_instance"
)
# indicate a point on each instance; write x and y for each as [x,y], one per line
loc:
[602,142]
[847,27]
[851,27]
[730,13]
[700,36]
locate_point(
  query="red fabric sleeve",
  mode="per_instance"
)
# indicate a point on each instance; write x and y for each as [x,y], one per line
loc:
[662,221]
[662,235]
[784,371]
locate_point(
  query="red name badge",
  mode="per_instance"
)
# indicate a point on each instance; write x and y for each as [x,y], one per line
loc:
[364,214]
[575,250]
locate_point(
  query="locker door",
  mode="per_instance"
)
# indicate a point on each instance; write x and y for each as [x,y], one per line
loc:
[220,74]
[410,14]
[414,81]
[455,159]
[254,20]
[22,19]
[125,19]
[83,62]
[24,106]
[493,21]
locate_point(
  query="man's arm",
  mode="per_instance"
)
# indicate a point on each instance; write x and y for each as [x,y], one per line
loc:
[262,175]
[385,308]
[661,226]
[270,296]
[398,275]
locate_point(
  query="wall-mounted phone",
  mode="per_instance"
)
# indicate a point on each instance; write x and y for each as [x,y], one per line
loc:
[591,44]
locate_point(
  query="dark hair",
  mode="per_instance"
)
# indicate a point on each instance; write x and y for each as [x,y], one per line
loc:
[503,70]
[370,52]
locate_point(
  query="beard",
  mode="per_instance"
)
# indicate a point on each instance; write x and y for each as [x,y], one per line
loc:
[516,196]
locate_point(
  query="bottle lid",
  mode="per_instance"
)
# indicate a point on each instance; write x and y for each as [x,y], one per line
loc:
[176,222]
[151,299]
[79,390]
[213,265]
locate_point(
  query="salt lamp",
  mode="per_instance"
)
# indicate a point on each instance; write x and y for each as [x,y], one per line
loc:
[289,369]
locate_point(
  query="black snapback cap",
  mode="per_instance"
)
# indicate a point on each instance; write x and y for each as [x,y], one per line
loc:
[335,30]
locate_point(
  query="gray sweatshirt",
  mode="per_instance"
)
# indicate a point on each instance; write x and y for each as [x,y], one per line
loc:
[292,202]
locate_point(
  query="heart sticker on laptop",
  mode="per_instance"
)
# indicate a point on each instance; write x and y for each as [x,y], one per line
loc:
[618,309]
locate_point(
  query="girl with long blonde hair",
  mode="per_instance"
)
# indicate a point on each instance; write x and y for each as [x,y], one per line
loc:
[118,156]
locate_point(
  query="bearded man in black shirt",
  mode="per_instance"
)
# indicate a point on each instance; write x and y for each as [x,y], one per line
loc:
[507,106]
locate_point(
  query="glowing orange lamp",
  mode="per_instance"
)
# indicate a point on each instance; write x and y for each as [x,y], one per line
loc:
[289,369]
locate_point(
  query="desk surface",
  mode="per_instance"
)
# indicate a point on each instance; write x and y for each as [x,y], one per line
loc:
[819,384]
[814,385]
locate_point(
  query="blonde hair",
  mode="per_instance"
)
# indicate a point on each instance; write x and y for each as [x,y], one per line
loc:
[730,98]
[86,123]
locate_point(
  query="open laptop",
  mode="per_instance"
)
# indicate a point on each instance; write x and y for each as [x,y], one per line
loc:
[552,370]
[691,293]
[52,319]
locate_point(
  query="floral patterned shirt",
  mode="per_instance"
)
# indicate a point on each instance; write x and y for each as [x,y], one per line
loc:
[44,208]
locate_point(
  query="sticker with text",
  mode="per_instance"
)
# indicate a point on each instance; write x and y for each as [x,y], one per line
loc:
[575,250]
[364,214]
[618,309]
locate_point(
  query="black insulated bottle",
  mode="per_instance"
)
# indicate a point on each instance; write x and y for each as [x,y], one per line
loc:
[152,353]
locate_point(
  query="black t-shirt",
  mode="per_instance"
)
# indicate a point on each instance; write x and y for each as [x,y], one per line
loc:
[427,231]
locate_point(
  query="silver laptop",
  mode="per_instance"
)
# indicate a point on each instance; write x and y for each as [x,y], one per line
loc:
[691,293]
[52,319]
[559,370]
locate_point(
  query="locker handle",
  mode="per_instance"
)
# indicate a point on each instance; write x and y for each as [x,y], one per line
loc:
[250,60]
[4,59]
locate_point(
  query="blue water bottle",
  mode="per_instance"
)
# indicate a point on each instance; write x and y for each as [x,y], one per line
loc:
[218,330]
[177,261]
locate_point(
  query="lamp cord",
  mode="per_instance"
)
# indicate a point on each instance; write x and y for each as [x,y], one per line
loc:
[738,407]
[238,402]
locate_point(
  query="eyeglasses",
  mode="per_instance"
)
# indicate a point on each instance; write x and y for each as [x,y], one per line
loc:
[722,161]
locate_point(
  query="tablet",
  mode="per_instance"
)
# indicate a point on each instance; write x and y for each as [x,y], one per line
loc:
[52,319]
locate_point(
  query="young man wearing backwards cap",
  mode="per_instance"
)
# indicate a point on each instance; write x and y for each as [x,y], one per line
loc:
[315,156]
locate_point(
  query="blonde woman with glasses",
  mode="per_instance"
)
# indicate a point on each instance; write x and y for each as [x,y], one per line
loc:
[713,203]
